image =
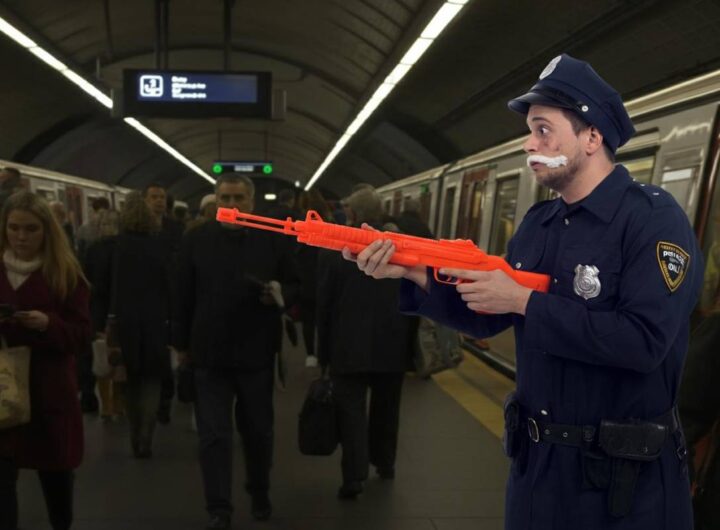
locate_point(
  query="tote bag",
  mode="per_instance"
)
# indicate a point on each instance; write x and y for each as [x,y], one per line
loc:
[14,385]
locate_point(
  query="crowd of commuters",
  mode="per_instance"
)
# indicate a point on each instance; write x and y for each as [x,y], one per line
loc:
[153,287]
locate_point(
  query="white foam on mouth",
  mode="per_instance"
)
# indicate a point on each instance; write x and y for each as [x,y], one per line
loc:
[553,162]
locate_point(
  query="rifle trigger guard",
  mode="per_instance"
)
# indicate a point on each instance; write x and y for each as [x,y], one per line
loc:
[449,280]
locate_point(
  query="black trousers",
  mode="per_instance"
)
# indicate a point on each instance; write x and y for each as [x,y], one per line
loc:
[57,489]
[253,395]
[86,378]
[307,312]
[367,438]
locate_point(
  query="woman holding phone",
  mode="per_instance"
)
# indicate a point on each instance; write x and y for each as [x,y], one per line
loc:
[46,308]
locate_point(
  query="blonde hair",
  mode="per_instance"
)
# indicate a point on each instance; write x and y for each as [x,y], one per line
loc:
[60,268]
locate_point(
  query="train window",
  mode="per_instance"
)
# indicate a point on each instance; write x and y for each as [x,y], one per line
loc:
[388,206]
[641,169]
[476,202]
[448,208]
[679,183]
[503,224]
[48,195]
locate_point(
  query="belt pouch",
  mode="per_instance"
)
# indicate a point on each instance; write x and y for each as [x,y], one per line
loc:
[628,445]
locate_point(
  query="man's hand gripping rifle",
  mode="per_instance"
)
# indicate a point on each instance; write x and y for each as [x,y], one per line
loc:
[410,250]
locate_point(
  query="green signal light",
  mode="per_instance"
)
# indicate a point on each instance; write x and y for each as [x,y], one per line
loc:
[267,169]
[217,168]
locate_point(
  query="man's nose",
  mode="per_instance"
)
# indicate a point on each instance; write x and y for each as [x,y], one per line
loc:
[530,145]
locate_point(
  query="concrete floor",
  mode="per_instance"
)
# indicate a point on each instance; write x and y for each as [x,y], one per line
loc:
[450,474]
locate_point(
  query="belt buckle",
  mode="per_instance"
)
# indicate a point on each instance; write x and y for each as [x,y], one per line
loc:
[533,430]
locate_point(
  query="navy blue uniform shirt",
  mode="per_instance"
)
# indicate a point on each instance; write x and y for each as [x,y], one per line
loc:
[617,355]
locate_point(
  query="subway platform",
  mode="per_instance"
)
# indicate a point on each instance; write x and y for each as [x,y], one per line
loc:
[450,470]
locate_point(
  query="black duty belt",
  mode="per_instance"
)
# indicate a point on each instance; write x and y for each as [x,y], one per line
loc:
[582,435]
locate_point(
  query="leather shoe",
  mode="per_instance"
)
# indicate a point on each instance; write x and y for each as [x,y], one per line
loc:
[261,508]
[218,522]
[350,490]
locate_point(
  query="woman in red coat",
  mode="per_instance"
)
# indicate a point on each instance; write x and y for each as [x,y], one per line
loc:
[42,280]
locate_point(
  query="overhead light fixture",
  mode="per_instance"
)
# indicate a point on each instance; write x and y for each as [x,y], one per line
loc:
[270,196]
[53,62]
[150,135]
[443,16]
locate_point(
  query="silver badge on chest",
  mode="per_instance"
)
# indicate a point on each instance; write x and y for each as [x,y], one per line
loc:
[586,282]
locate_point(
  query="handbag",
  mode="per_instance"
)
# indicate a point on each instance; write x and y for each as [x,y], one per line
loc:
[14,385]
[438,348]
[317,428]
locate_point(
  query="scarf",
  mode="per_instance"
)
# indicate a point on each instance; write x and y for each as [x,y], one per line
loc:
[17,269]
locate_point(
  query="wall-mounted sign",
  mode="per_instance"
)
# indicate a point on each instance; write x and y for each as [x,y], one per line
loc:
[196,94]
[235,166]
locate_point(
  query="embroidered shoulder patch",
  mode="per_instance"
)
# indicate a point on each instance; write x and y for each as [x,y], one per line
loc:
[673,263]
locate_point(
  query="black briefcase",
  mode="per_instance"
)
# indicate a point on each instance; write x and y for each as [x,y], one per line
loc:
[317,428]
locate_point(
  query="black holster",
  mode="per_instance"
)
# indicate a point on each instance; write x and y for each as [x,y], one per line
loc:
[628,445]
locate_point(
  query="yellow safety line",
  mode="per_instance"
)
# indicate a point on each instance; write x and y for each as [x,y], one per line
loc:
[483,406]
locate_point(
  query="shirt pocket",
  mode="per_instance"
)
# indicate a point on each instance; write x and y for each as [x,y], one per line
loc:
[527,255]
[601,287]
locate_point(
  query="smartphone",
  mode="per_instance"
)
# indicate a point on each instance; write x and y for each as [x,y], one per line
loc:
[7,310]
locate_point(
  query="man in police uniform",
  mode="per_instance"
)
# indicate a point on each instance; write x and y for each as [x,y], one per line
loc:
[592,427]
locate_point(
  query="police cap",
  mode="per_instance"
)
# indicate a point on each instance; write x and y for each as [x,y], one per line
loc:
[572,84]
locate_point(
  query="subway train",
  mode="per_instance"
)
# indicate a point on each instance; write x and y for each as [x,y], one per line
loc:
[483,197]
[76,193]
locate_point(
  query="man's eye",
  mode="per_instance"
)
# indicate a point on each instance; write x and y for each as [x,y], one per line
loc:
[543,130]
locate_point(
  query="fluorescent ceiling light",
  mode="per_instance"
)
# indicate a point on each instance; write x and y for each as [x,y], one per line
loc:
[441,19]
[90,89]
[170,149]
[270,196]
[47,58]
[398,73]
[447,12]
[15,34]
[416,51]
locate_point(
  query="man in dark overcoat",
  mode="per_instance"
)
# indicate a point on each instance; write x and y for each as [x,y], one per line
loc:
[230,325]
[367,345]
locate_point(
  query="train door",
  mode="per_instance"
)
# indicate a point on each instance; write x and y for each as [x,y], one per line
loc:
[397,203]
[708,228]
[504,210]
[74,204]
[425,203]
[469,220]
[448,212]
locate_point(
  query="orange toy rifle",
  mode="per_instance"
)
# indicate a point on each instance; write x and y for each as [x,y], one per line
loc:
[409,250]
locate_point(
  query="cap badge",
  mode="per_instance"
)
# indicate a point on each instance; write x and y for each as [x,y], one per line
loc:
[673,263]
[550,68]
[586,283]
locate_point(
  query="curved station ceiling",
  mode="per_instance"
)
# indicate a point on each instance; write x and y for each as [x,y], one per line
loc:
[328,57]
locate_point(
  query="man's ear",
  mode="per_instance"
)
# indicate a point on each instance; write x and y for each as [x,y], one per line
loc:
[594,140]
